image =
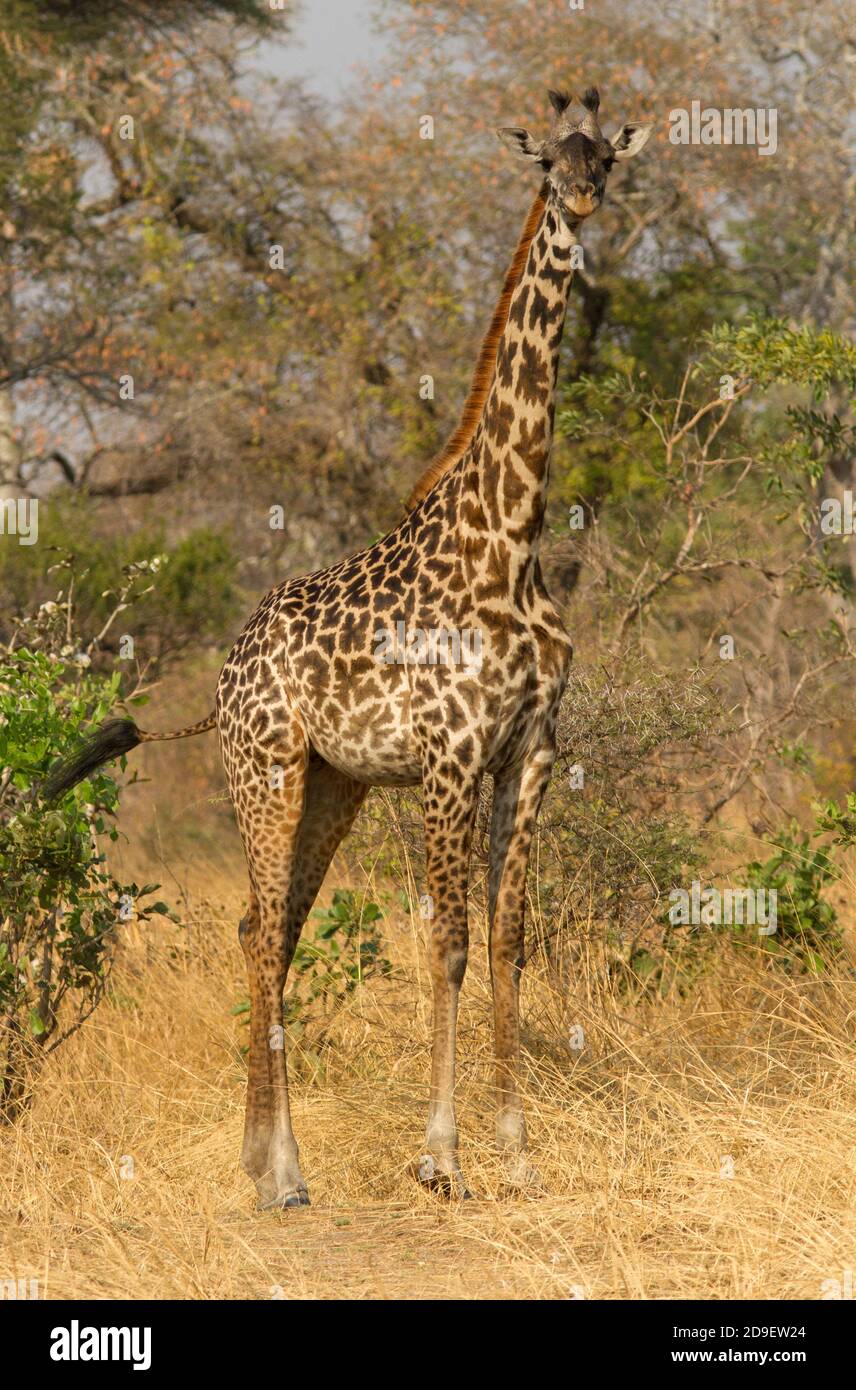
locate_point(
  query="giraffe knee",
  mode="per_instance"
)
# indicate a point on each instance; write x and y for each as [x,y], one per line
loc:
[248,925]
[456,966]
[506,947]
[449,963]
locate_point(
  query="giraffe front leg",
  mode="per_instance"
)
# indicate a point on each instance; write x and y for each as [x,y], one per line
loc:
[517,798]
[450,804]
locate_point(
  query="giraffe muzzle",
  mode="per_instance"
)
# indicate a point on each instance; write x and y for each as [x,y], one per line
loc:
[582,201]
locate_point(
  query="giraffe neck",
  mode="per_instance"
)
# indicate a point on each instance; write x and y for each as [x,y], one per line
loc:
[504,479]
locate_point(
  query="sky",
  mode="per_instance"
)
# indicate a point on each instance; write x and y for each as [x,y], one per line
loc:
[330,38]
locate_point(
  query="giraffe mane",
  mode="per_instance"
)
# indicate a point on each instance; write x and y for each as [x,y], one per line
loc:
[460,439]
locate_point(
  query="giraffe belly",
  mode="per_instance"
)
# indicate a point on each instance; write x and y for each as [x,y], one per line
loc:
[390,767]
[375,746]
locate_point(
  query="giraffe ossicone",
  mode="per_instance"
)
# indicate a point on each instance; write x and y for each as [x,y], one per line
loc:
[309,718]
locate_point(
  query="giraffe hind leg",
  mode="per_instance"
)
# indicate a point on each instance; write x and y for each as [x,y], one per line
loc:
[270,1153]
[268,783]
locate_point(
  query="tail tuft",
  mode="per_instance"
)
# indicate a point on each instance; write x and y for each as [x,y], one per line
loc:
[115,737]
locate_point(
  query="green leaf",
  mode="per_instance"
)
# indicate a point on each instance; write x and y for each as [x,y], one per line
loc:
[37,1027]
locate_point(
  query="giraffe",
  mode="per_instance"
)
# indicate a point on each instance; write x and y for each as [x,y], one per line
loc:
[358,676]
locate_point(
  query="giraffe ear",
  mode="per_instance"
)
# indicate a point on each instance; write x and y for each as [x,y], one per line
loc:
[520,141]
[630,139]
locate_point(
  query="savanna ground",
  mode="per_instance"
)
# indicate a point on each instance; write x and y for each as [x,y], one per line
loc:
[700,1146]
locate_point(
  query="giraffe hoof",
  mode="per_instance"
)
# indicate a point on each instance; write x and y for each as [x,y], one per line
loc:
[449,1186]
[522,1179]
[294,1199]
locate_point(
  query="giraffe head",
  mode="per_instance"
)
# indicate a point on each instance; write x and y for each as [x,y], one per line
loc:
[576,155]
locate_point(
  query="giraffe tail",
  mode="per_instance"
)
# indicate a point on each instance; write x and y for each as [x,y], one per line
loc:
[111,740]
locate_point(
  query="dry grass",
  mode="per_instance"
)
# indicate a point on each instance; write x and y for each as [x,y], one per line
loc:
[632,1138]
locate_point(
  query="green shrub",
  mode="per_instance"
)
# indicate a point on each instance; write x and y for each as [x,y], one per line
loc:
[196,597]
[61,910]
[345,950]
[800,872]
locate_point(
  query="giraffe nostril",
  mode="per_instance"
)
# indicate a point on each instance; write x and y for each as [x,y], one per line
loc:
[583,190]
